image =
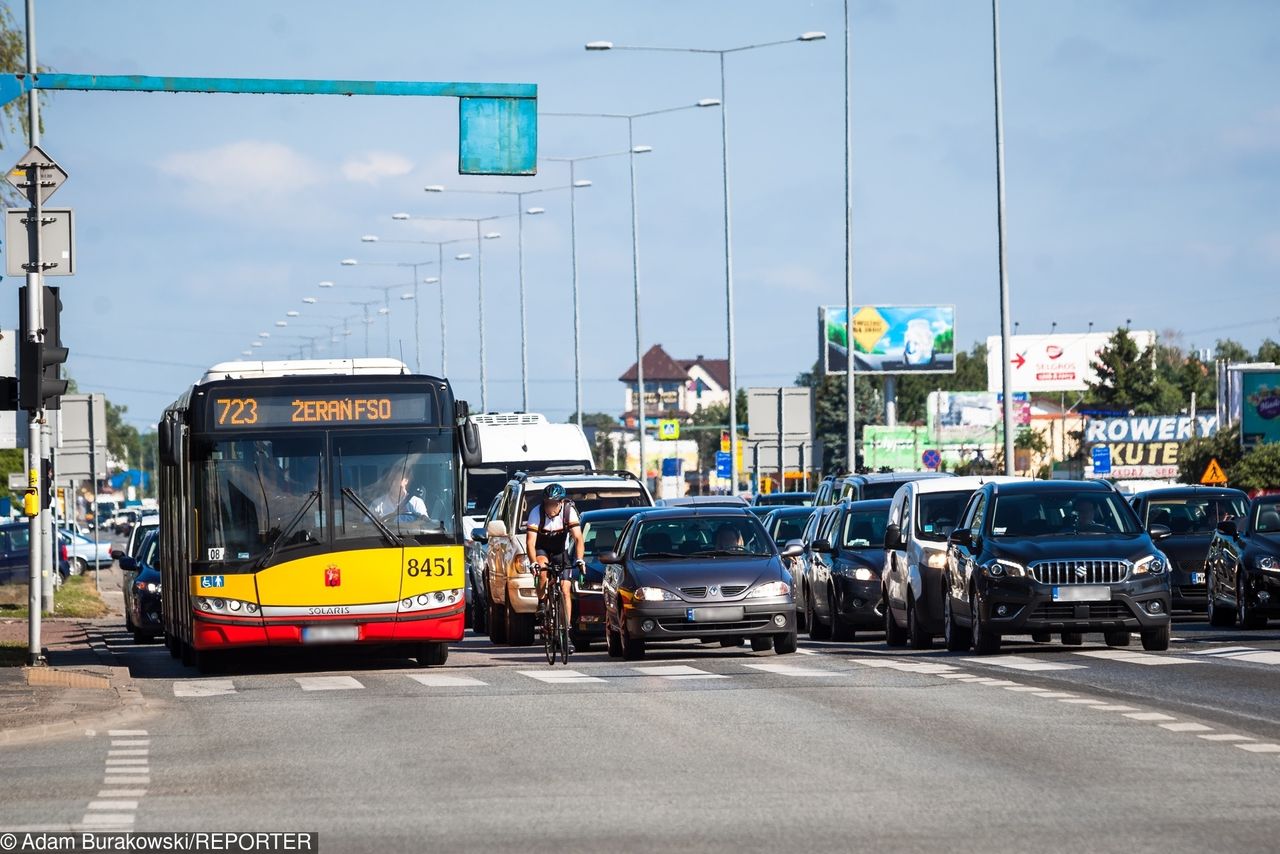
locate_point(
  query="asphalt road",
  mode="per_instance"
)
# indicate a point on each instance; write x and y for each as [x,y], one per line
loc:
[842,747]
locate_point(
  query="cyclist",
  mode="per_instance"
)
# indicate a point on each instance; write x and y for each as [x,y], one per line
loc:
[550,525]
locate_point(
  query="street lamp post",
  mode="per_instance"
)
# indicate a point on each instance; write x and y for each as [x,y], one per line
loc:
[632,151]
[1006,367]
[385,311]
[417,326]
[728,231]
[364,306]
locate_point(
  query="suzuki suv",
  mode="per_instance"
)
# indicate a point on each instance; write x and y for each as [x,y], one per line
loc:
[510,585]
[1054,556]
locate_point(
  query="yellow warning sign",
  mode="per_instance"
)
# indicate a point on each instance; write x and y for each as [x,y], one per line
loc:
[1213,473]
[868,328]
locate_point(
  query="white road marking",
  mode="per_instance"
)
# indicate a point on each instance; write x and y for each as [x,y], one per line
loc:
[1079,701]
[1260,748]
[203,688]
[926,668]
[130,742]
[1053,695]
[1223,650]
[121,793]
[1258,657]
[1017,662]
[559,677]
[113,805]
[791,670]
[1186,727]
[142,751]
[131,762]
[1133,657]
[955,675]
[126,733]
[1022,688]
[108,819]
[328,683]
[1107,707]
[996,683]
[677,671]
[444,680]
[1149,716]
[1225,736]
[110,780]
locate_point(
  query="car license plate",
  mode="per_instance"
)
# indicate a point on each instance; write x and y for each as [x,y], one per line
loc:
[330,634]
[1197,578]
[715,615]
[1082,593]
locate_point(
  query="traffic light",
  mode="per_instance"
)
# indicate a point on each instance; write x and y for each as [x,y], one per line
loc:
[40,385]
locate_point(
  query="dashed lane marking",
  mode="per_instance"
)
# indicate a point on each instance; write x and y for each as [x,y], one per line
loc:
[444,680]
[1148,716]
[203,688]
[559,677]
[1017,662]
[1108,707]
[677,672]
[328,683]
[1260,748]
[1183,726]
[791,670]
[1133,657]
[114,809]
[1225,736]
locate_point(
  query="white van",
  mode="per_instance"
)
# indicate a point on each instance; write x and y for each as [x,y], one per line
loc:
[921,518]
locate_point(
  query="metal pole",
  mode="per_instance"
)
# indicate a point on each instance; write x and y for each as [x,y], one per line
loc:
[386,304]
[1006,370]
[524,333]
[484,380]
[417,321]
[367,324]
[635,287]
[851,433]
[93,485]
[577,323]
[444,357]
[728,283]
[35,324]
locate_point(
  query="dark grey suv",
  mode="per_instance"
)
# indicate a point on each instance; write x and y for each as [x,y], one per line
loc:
[1054,556]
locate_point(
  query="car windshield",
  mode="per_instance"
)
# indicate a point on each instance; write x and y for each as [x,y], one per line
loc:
[1196,514]
[1062,513]
[803,499]
[886,489]
[601,536]
[864,529]
[702,536]
[938,512]
[487,480]
[789,526]
[1267,520]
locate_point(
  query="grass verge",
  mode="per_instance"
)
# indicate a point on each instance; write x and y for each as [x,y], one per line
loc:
[76,598]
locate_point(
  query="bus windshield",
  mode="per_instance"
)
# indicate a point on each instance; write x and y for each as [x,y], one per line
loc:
[402,482]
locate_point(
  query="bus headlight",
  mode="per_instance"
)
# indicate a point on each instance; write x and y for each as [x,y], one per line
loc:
[218,605]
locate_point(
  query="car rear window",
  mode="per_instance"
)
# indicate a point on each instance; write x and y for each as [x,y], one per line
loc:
[1195,514]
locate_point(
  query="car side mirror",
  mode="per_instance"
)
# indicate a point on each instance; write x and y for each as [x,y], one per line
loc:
[609,558]
[116,554]
[893,538]
[961,537]
[822,546]
[1159,532]
[479,535]
[496,528]
[1227,528]
[128,564]
[793,548]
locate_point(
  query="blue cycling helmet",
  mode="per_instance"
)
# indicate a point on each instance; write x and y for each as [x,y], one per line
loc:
[555,492]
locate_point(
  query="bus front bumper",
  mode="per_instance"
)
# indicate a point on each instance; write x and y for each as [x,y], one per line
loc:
[222,633]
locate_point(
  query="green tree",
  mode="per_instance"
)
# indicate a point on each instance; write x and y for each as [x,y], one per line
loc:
[1194,456]
[1258,469]
[1269,352]
[1128,379]
[1231,351]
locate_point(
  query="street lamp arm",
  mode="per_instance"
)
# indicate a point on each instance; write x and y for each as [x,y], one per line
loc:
[583,157]
[804,37]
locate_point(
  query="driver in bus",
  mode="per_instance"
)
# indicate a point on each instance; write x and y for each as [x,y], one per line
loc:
[401,505]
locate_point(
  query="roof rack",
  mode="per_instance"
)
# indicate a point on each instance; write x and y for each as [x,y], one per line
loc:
[569,471]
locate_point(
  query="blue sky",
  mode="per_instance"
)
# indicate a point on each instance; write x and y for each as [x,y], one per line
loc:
[1142,149]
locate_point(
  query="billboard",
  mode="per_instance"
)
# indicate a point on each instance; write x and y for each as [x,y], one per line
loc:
[1260,407]
[1146,446]
[1062,362]
[889,339]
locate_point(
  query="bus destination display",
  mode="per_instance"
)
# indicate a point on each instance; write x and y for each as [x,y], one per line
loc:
[245,411]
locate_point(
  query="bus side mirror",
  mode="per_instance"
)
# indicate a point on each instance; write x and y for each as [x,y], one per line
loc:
[169,441]
[469,442]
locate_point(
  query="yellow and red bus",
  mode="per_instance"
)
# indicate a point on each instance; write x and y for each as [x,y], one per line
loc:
[313,502]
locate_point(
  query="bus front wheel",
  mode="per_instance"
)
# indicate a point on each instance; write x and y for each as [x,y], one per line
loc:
[433,654]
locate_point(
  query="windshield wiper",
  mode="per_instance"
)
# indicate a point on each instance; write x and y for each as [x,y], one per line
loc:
[387,534]
[287,529]
[648,555]
[727,553]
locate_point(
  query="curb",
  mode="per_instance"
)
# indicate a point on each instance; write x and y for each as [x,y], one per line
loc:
[130,706]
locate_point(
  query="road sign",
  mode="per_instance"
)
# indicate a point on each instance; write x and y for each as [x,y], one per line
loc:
[1101,459]
[931,459]
[17,481]
[668,429]
[57,241]
[51,176]
[724,464]
[1213,473]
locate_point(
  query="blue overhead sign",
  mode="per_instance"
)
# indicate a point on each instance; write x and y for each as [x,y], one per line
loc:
[1101,459]
[724,465]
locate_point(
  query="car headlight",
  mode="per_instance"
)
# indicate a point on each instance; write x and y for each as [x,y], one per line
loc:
[654,594]
[587,587]
[1151,564]
[770,590]
[1267,563]
[936,560]
[859,573]
[999,568]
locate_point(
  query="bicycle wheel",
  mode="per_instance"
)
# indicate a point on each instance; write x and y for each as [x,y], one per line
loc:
[562,631]
[548,628]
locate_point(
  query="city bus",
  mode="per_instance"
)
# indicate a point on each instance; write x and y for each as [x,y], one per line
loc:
[313,502]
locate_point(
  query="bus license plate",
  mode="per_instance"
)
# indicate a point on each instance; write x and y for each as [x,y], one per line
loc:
[330,634]
[1082,593]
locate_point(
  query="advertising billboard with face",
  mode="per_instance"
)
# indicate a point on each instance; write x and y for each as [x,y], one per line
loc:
[889,339]
[1062,362]
[1260,407]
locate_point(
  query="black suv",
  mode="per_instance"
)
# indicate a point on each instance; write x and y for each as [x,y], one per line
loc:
[1054,556]
[1192,513]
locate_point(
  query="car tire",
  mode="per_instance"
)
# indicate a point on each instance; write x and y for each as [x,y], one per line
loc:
[916,635]
[1157,639]
[1219,617]
[985,641]
[817,629]
[840,630]
[762,643]
[433,654]
[632,649]
[1041,637]
[613,644]
[128,620]
[785,644]
[957,638]
[1072,638]
[79,566]
[1245,615]
[497,624]
[730,643]
[894,635]
[520,628]
[1119,637]
[479,617]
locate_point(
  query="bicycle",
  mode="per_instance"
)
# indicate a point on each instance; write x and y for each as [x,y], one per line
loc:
[555,628]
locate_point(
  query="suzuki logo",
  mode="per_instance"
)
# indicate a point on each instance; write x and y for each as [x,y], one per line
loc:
[333,577]
[1081,571]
